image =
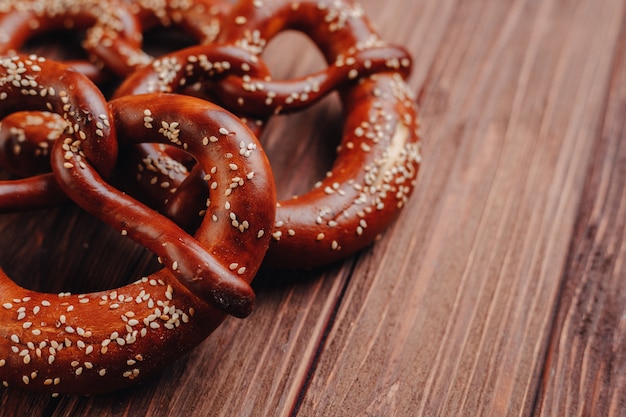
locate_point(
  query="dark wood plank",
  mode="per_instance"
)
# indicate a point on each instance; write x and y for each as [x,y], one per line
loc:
[585,373]
[512,105]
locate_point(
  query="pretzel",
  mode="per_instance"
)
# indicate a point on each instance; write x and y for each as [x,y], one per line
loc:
[97,342]
[31,83]
[379,155]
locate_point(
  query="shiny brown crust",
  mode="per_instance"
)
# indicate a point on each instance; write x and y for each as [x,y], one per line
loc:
[98,342]
[379,156]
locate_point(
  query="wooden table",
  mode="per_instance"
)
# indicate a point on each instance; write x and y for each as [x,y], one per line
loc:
[500,290]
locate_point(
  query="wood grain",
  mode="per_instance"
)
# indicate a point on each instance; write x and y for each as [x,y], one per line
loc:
[500,289]
[586,367]
[463,328]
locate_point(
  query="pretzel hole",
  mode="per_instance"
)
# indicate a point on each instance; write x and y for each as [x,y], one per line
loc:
[292,54]
[57,44]
[302,146]
[66,249]
[160,40]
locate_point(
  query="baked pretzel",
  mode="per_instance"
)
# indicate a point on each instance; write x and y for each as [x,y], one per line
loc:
[91,343]
[31,83]
[379,156]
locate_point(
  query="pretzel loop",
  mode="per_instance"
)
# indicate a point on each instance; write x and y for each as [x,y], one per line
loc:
[172,72]
[30,83]
[293,95]
[123,55]
[379,155]
[104,23]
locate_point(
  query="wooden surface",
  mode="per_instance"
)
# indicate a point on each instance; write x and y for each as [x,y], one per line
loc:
[500,291]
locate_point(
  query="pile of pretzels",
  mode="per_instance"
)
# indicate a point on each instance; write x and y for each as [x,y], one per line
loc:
[171,159]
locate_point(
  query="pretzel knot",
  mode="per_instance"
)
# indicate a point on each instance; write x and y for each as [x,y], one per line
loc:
[379,156]
[101,341]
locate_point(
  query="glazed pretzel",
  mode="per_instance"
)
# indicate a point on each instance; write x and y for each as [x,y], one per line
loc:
[378,159]
[102,341]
